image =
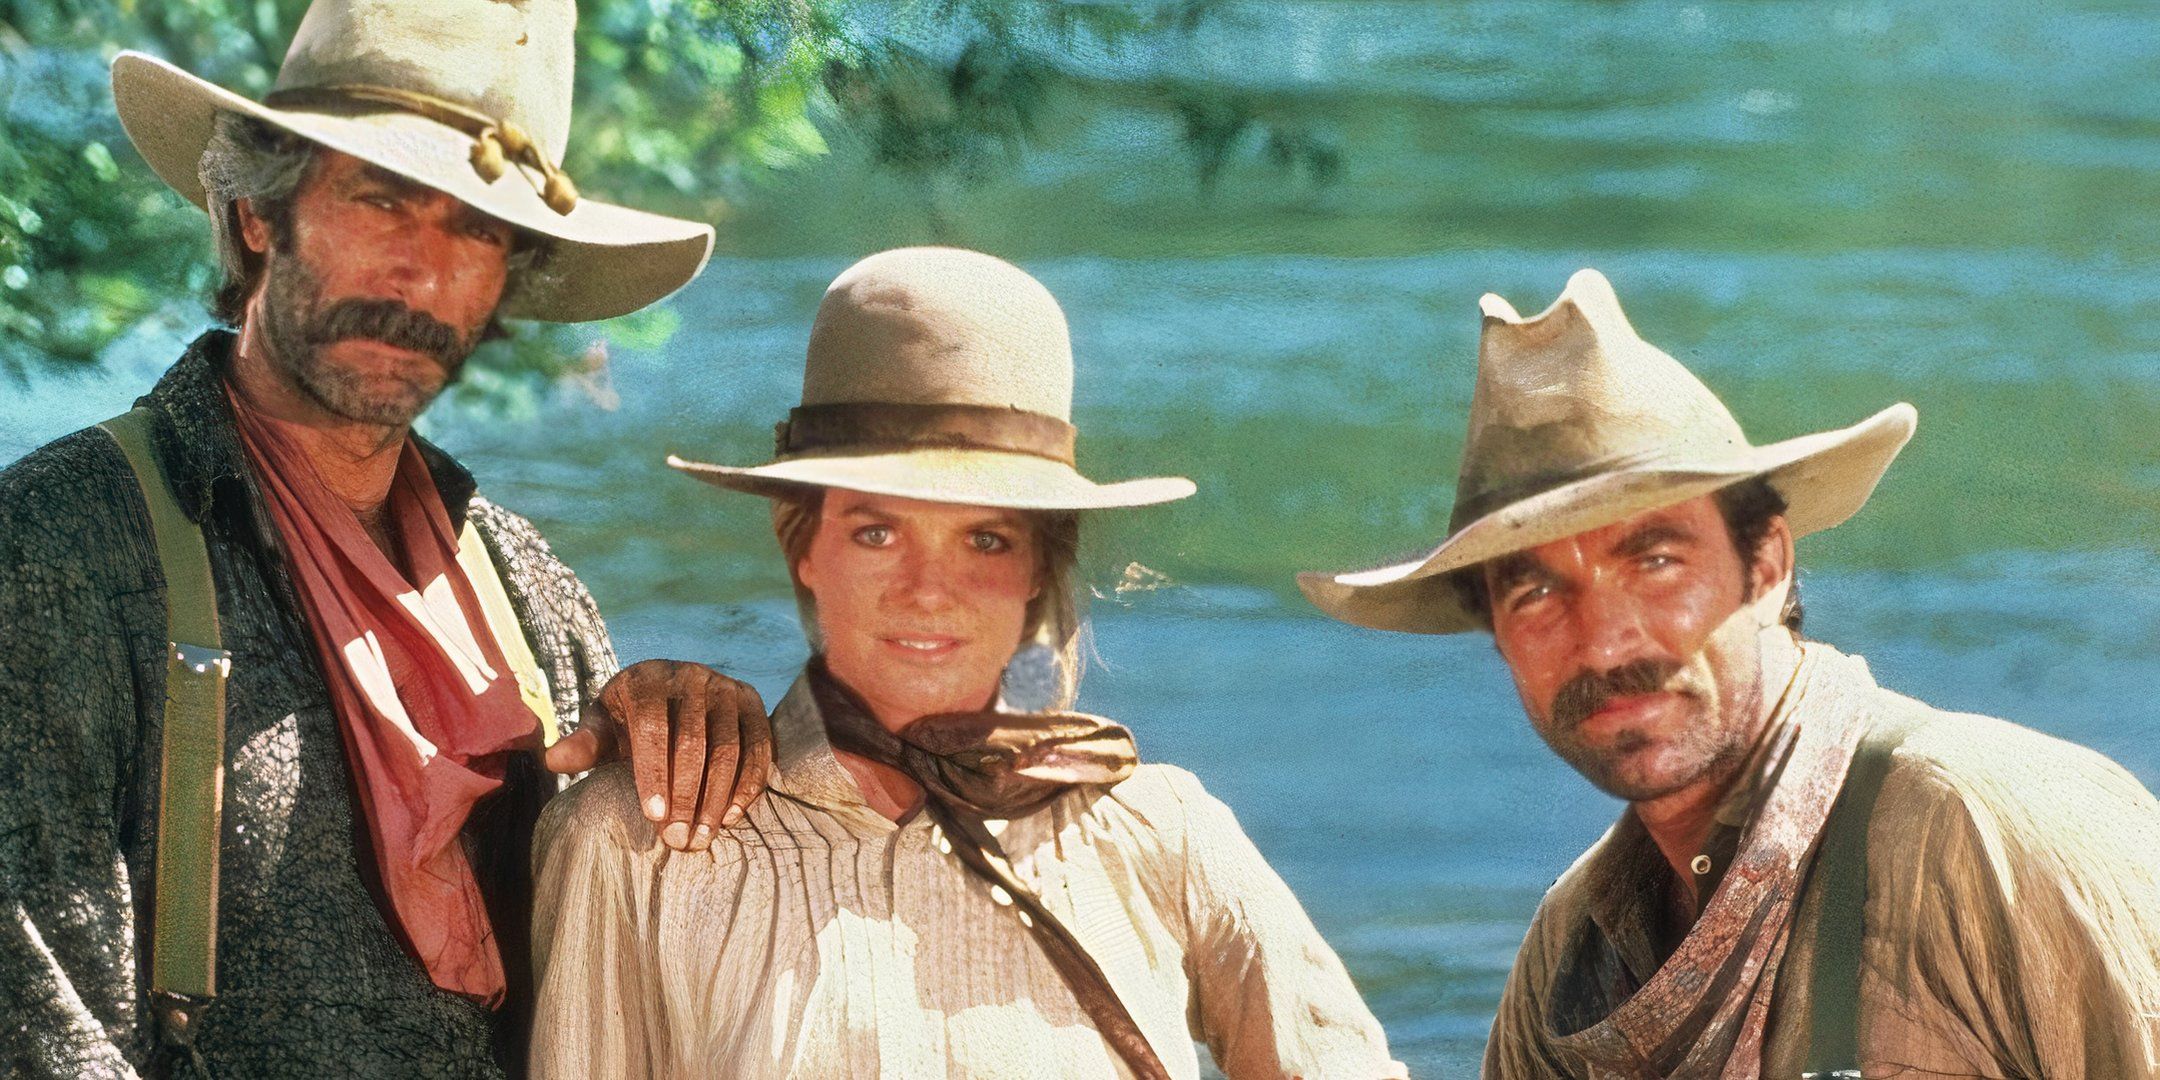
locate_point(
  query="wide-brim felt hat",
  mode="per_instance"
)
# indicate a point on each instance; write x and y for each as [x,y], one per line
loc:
[1577,423]
[468,97]
[943,375]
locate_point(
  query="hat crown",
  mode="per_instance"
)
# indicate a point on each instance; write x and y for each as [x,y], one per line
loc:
[514,60]
[940,326]
[1575,391]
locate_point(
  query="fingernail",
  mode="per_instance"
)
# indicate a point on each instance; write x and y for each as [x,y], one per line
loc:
[676,834]
[703,838]
[654,807]
[732,817]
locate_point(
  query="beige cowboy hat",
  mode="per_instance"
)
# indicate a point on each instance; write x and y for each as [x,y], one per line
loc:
[469,97]
[942,375]
[1576,423]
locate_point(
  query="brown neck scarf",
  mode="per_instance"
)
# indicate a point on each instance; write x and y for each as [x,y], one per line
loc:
[974,766]
[1703,1015]
[985,764]
[425,701]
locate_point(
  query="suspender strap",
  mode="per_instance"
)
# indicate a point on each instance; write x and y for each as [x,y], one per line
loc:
[980,852]
[501,618]
[191,779]
[1841,875]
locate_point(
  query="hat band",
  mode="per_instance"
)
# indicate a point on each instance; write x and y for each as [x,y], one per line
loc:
[1491,500]
[497,143]
[867,425]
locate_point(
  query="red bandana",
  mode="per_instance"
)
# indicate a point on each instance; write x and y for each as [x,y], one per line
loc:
[423,696]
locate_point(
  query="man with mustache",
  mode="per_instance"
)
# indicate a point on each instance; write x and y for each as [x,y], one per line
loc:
[1814,876]
[286,693]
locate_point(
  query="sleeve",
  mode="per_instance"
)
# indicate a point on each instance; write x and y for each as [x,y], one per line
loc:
[596,1014]
[2036,919]
[592,651]
[1514,1050]
[68,999]
[1271,998]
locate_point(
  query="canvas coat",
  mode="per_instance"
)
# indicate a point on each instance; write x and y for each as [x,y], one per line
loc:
[313,981]
[2012,920]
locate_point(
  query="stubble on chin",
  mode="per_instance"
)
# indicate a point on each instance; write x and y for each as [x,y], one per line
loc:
[292,302]
[1610,768]
[1713,745]
[1634,765]
[380,402]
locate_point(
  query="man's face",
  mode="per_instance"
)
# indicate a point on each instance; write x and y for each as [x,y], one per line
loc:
[920,604]
[377,292]
[1635,648]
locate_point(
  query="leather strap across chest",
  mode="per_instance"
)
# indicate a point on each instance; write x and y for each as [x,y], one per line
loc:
[191,774]
[1840,872]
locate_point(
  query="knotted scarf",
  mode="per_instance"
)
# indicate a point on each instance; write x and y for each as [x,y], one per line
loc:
[984,764]
[424,699]
[973,766]
[1703,1014]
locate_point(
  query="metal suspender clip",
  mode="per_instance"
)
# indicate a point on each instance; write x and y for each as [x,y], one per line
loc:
[201,660]
[176,1015]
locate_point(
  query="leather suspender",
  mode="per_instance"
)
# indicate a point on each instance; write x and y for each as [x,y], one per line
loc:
[1841,873]
[183,949]
[980,852]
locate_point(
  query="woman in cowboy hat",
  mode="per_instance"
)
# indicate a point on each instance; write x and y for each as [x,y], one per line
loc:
[937,884]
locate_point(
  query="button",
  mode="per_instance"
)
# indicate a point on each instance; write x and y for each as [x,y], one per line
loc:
[944,846]
[1026,919]
[1701,865]
[998,893]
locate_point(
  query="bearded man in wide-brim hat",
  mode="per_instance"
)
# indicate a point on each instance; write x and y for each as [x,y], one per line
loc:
[277,673]
[1814,875]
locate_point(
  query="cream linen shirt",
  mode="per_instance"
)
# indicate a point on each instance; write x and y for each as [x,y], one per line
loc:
[823,940]
[2012,922]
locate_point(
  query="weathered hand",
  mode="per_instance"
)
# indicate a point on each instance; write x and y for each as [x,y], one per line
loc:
[699,744]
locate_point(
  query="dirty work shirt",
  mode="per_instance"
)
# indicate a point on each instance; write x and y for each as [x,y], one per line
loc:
[312,980]
[824,940]
[2012,922]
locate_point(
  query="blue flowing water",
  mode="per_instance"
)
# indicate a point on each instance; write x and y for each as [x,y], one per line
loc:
[1821,208]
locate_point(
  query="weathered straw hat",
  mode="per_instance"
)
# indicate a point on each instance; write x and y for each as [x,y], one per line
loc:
[943,375]
[471,98]
[1576,423]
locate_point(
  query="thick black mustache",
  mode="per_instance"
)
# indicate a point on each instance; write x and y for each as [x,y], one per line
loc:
[391,323]
[1588,692]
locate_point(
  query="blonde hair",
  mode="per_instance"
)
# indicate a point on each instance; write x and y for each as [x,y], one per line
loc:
[1054,616]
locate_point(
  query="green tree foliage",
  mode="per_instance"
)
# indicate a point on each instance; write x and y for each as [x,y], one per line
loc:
[683,105]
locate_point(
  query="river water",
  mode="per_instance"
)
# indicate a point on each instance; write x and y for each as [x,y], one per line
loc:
[1821,208]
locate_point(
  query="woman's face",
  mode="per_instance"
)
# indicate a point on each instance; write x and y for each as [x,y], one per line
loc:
[921,604]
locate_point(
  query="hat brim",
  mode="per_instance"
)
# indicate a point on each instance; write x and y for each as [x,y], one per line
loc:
[961,477]
[1824,478]
[606,260]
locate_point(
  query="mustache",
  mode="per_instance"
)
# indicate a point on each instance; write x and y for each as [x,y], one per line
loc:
[391,323]
[1589,691]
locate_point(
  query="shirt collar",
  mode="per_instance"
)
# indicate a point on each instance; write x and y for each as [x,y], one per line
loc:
[804,768]
[1766,759]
